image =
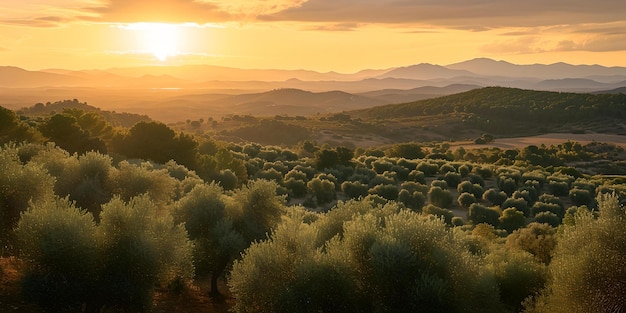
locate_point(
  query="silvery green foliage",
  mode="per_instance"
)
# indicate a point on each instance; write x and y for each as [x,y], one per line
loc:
[59,245]
[19,184]
[117,263]
[362,258]
[587,268]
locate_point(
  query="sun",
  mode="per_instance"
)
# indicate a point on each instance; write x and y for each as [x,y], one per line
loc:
[159,39]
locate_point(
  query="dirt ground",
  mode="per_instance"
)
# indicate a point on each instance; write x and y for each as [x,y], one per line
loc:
[549,139]
[193,300]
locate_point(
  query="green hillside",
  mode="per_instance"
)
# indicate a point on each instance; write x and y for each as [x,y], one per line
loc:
[510,103]
[502,112]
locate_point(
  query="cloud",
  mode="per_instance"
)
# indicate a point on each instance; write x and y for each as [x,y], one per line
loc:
[472,15]
[170,11]
[456,13]
[40,13]
[339,27]
[190,11]
[519,45]
[44,21]
[253,8]
[590,37]
[595,44]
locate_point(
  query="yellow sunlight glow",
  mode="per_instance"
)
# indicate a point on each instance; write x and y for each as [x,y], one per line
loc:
[160,39]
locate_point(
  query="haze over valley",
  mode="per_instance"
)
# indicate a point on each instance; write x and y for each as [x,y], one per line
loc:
[175,93]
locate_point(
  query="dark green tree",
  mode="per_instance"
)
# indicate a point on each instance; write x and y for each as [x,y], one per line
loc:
[65,131]
[156,142]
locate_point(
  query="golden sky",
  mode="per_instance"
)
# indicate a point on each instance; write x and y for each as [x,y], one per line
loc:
[323,35]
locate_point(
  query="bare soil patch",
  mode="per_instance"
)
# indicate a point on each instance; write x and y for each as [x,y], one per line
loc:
[549,139]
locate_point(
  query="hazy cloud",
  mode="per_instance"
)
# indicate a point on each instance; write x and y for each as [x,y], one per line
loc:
[472,15]
[171,11]
[595,44]
[41,13]
[335,27]
[46,21]
[253,8]
[519,45]
[454,13]
[600,42]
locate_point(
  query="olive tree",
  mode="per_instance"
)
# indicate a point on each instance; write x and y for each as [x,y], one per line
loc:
[587,268]
[380,259]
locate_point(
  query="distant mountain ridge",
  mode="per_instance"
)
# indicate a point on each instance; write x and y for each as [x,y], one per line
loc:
[481,72]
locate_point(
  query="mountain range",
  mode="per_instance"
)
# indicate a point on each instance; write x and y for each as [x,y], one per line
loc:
[175,93]
[481,72]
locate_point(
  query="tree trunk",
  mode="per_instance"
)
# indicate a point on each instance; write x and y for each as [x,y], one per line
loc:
[215,275]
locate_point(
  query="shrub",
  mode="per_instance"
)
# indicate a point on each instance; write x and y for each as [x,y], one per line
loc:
[476,179]
[452,179]
[381,180]
[227,179]
[518,275]
[558,188]
[466,199]
[389,192]
[519,203]
[512,219]
[481,214]
[270,174]
[527,193]
[406,150]
[414,201]
[549,218]
[507,184]
[297,174]
[445,214]
[417,176]
[446,168]
[538,239]
[380,166]
[581,196]
[440,197]
[495,197]
[458,221]
[323,190]
[540,207]
[297,188]
[439,183]
[429,169]
[464,170]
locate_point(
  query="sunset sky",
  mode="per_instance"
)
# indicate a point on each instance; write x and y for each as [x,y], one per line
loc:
[322,35]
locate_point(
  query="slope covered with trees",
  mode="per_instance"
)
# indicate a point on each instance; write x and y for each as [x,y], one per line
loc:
[306,228]
[511,103]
